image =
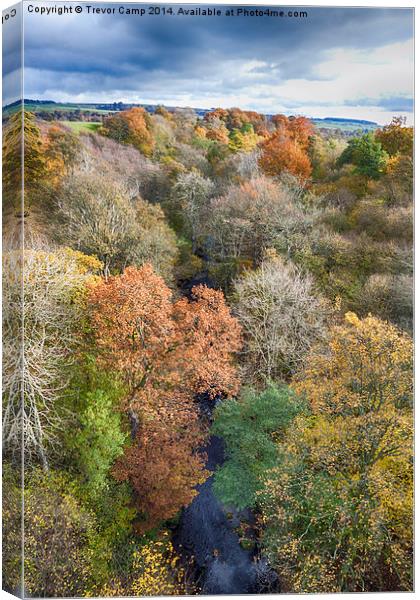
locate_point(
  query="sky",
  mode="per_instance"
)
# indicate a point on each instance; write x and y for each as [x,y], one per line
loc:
[336,62]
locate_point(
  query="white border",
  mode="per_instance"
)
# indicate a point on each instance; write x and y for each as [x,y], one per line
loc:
[336,3]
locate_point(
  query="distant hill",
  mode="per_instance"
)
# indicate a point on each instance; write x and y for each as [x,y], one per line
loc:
[347,125]
[49,106]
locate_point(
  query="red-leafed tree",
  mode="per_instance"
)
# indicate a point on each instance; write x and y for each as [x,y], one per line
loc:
[280,153]
[166,353]
[287,148]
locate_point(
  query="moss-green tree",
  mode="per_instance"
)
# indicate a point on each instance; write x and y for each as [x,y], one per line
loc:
[366,154]
[249,426]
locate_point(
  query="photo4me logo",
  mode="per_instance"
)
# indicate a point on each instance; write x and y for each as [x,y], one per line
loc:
[143,10]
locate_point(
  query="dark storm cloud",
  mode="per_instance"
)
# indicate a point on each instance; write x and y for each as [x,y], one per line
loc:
[169,56]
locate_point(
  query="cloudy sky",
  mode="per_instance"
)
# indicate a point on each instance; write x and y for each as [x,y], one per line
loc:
[338,62]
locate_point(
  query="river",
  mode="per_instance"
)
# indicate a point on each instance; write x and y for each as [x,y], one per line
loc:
[206,531]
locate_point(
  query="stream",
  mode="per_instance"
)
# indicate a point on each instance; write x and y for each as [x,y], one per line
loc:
[206,532]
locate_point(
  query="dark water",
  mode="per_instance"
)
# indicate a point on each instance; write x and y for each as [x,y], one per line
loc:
[208,534]
[206,530]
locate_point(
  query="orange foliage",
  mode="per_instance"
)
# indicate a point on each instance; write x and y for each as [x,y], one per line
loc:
[200,132]
[217,113]
[281,153]
[235,118]
[300,130]
[396,138]
[287,148]
[133,127]
[218,135]
[166,353]
[213,334]
[60,149]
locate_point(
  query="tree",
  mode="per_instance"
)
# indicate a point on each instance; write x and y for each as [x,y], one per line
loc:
[99,441]
[249,427]
[12,538]
[57,532]
[281,153]
[373,360]
[396,138]
[165,353]
[155,241]
[133,126]
[213,334]
[97,217]
[281,316]
[244,139]
[287,148]
[192,192]
[62,149]
[37,359]
[22,128]
[391,297]
[366,154]
[155,570]
[338,509]
[256,215]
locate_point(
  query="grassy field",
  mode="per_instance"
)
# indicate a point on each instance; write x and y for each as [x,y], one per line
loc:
[344,125]
[82,126]
[39,108]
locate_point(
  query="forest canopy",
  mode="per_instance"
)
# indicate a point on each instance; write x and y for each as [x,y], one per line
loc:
[229,280]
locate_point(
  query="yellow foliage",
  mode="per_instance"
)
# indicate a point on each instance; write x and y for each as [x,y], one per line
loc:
[338,510]
[367,368]
[156,572]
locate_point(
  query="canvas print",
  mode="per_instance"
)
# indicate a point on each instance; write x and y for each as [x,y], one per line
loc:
[207,299]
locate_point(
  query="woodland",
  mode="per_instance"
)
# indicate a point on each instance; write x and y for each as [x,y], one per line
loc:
[175,285]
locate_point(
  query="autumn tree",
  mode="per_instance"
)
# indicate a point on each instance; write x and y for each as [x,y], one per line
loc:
[155,570]
[57,532]
[256,215]
[22,135]
[281,315]
[166,353]
[338,510]
[396,138]
[243,139]
[287,148]
[155,241]
[133,126]
[61,151]
[281,153]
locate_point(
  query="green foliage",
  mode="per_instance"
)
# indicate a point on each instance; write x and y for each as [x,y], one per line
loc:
[249,427]
[82,126]
[94,396]
[366,154]
[100,440]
